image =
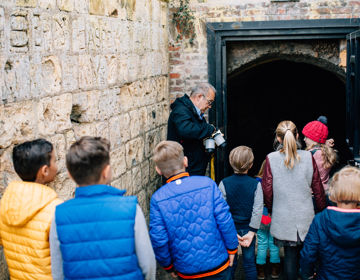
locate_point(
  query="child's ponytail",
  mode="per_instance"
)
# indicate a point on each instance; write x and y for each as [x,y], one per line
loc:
[288,133]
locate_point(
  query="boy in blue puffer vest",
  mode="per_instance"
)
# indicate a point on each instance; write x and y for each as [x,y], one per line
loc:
[191,228]
[100,234]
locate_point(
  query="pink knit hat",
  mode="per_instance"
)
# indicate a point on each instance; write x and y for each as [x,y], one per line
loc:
[317,130]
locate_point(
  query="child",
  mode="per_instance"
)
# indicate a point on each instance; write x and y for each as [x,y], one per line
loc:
[191,228]
[27,208]
[289,176]
[100,233]
[316,133]
[245,198]
[265,241]
[334,236]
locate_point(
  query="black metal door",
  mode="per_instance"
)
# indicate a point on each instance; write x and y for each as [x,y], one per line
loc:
[353,94]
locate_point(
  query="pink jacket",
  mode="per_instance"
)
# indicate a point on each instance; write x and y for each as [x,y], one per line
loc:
[324,173]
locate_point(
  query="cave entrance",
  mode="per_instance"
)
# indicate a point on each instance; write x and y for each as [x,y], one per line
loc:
[343,111]
[264,95]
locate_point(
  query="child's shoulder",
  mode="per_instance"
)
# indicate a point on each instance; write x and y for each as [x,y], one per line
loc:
[185,184]
[240,178]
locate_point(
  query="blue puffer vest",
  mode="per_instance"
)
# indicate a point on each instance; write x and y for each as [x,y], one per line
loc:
[191,227]
[96,234]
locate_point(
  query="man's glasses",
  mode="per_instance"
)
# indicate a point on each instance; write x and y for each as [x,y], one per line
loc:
[209,102]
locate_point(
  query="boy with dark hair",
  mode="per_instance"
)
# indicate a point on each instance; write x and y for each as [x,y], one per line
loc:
[100,233]
[191,228]
[27,209]
[245,197]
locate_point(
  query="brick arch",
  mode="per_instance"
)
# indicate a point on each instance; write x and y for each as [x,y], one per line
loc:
[324,54]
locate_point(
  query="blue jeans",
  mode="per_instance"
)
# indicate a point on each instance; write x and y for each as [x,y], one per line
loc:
[292,260]
[265,241]
[223,275]
[248,258]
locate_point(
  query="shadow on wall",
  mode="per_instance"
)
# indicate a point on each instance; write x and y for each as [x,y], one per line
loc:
[261,97]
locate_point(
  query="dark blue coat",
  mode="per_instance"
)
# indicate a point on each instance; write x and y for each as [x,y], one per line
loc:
[334,240]
[186,128]
[191,227]
[96,234]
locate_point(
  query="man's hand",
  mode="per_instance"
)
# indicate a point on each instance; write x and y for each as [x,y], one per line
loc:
[246,240]
[231,260]
[174,275]
[330,142]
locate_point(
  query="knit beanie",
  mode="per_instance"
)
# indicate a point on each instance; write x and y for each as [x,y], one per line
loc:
[317,130]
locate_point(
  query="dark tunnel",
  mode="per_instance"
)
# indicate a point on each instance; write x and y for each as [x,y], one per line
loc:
[262,96]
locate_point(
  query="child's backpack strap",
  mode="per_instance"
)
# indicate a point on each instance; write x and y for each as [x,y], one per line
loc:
[314,150]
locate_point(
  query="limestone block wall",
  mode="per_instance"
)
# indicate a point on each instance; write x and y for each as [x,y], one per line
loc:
[70,68]
[188,62]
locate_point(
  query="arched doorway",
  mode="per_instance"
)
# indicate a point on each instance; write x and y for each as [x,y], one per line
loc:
[261,96]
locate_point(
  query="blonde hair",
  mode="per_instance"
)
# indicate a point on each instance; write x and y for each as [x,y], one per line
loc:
[345,185]
[241,159]
[261,171]
[287,132]
[329,155]
[168,157]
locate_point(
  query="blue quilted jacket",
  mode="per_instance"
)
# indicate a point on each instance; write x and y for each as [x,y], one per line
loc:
[191,227]
[96,234]
[334,240]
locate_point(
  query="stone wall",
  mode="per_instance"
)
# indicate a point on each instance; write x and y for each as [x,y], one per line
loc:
[70,68]
[188,62]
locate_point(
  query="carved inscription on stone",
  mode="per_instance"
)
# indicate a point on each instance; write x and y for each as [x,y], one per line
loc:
[61,32]
[51,74]
[16,79]
[70,71]
[79,35]
[99,70]
[19,31]
[37,27]
[93,28]
[85,73]
[107,39]
[46,24]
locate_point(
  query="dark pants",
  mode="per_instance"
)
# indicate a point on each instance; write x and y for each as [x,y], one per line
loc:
[292,261]
[248,258]
[223,275]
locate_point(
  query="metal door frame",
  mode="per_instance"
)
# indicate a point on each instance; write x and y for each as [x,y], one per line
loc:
[218,33]
[353,94]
